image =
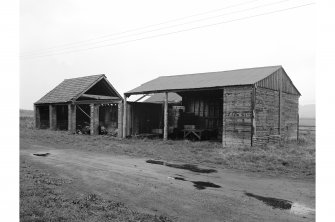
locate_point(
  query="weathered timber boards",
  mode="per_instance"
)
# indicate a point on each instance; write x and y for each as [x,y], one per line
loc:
[237,115]
[266,111]
[276,80]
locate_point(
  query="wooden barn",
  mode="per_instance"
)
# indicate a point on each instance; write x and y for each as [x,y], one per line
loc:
[245,106]
[84,105]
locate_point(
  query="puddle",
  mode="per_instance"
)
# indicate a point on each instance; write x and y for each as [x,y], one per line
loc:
[201,185]
[189,167]
[273,202]
[41,154]
[179,178]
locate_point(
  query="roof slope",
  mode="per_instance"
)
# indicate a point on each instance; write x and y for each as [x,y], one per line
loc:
[206,80]
[69,89]
[160,97]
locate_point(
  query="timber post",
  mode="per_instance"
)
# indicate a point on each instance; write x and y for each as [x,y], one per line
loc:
[52,117]
[37,117]
[124,126]
[72,118]
[165,135]
[119,119]
[94,121]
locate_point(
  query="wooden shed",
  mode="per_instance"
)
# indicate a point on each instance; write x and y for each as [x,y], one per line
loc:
[246,106]
[82,104]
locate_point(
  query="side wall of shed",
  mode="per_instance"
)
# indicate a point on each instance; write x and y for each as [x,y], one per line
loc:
[267,108]
[237,115]
[266,116]
[289,114]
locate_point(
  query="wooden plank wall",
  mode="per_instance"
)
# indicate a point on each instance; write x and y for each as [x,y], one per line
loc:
[237,115]
[267,116]
[269,105]
[272,82]
[289,121]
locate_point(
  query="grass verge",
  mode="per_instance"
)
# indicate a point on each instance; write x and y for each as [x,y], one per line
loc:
[44,197]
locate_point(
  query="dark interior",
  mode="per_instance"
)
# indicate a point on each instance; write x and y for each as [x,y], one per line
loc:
[62,117]
[44,117]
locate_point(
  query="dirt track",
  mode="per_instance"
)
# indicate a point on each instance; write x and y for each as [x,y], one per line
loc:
[151,188]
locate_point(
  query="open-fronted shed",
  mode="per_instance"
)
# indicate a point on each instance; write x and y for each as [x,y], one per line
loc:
[245,106]
[83,104]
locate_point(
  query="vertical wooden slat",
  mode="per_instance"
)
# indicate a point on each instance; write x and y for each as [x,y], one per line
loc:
[298,126]
[280,102]
[124,133]
[223,120]
[165,135]
[253,114]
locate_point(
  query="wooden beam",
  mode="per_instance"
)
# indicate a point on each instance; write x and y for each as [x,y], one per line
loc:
[166,104]
[180,90]
[140,98]
[37,117]
[97,101]
[124,129]
[83,111]
[100,97]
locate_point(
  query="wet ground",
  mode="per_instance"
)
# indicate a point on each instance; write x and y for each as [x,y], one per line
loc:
[189,167]
[182,191]
[275,203]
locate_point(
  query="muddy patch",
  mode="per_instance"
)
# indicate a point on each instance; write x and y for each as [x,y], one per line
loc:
[41,154]
[190,167]
[201,185]
[273,202]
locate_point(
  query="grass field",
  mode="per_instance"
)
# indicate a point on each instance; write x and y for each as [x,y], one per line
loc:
[291,159]
[307,122]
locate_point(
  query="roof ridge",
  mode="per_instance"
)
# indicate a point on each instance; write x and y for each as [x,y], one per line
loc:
[203,73]
[86,76]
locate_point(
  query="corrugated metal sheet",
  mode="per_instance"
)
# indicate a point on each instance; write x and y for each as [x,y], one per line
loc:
[160,97]
[68,89]
[206,80]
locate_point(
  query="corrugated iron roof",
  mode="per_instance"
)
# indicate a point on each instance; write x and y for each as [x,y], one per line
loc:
[206,80]
[160,97]
[69,89]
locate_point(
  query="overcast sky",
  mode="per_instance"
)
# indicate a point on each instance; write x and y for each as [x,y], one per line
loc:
[54,46]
